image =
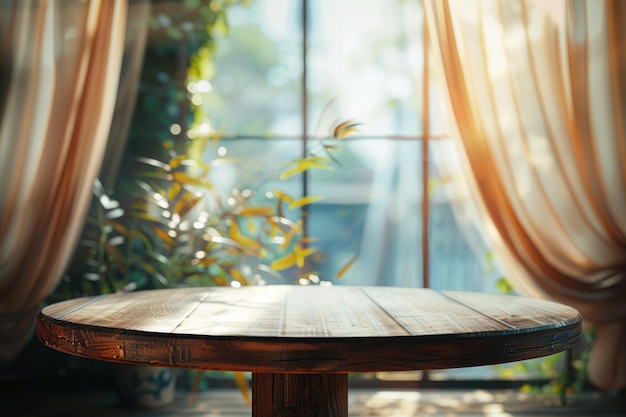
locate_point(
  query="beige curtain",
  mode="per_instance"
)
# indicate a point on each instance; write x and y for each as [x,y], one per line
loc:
[537,91]
[60,67]
[138,16]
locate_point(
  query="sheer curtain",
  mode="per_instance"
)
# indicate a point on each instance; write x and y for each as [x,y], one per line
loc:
[60,69]
[537,92]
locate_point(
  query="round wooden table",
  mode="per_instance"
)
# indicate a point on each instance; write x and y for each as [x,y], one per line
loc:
[300,342]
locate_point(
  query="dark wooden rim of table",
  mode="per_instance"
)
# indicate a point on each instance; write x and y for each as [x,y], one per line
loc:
[305,354]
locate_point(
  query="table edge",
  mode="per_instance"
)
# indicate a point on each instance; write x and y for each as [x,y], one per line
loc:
[304,355]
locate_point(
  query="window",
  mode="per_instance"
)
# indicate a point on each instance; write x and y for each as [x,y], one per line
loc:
[271,88]
[362,60]
[283,74]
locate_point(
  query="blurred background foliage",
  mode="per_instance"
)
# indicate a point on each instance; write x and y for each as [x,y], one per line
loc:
[180,48]
[166,222]
[125,244]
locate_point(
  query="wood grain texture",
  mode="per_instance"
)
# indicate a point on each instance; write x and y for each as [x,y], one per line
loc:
[309,329]
[309,395]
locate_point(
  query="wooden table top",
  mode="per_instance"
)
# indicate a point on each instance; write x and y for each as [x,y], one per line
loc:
[309,329]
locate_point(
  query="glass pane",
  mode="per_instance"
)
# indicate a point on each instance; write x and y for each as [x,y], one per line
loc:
[363,57]
[367,56]
[371,209]
[257,70]
[460,257]
[254,164]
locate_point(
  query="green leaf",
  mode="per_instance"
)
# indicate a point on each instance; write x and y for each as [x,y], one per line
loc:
[504,286]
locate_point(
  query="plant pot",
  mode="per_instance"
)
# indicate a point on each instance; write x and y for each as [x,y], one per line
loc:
[144,386]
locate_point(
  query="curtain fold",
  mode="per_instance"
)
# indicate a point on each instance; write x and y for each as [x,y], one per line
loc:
[126,97]
[536,90]
[63,62]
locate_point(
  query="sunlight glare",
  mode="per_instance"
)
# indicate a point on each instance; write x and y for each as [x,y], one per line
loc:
[116,240]
[184,225]
[481,396]
[197,99]
[175,129]
[448,402]
[203,86]
[204,129]
[495,410]
[405,403]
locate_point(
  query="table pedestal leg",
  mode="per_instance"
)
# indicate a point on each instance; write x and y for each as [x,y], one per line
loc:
[299,395]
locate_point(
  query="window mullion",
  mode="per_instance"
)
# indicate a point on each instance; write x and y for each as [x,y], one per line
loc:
[305,110]
[425,161]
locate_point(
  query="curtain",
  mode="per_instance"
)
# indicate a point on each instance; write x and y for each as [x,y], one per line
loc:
[138,15]
[60,68]
[537,92]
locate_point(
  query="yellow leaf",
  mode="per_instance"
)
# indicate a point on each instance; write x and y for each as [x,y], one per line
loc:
[285,262]
[208,261]
[219,281]
[119,227]
[347,266]
[196,384]
[526,388]
[175,162]
[273,228]
[246,242]
[305,201]
[186,179]
[239,277]
[508,373]
[148,217]
[215,137]
[282,196]
[346,132]
[185,203]
[162,234]
[344,129]
[242,384]
[301,254]
[305,164]
[254,211]
[291,172]
[173,191]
